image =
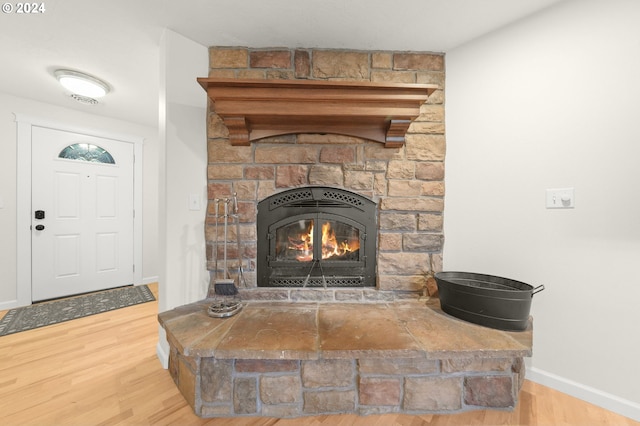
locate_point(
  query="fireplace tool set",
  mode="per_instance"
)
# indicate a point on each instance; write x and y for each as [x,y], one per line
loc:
[225,289]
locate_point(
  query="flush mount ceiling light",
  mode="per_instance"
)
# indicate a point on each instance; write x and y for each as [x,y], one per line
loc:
[82,84]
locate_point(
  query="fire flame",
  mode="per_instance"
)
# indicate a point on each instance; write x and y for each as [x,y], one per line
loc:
[331,247]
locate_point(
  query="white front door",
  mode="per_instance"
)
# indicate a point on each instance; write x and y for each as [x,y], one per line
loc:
[82,213]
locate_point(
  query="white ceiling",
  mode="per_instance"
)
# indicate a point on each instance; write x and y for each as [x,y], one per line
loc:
[118,40]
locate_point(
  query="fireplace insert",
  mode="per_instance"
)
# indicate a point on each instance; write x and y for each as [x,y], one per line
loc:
[316,237]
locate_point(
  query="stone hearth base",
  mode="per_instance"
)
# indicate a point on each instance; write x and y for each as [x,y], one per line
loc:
[298,359]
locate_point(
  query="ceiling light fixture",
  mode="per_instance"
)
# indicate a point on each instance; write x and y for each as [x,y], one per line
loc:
[82,84]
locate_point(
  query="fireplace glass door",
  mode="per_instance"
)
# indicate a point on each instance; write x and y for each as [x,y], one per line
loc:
[316,237]
[337,241]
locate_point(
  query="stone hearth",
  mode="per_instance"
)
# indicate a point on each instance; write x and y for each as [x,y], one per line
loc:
[283,359]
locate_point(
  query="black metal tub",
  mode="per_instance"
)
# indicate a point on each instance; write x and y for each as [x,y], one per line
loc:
[486,300]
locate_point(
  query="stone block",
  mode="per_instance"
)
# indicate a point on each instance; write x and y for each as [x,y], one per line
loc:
[397,366]
[270,59]
[403,263]
[425,147]
[338,155]
[349,295]
[390,242]
[291,176]
[222,73]
[426,127]
[489,391]
[266,365]
[431,77]
[311,295]
[430,112]
[219,190]
[382,60]
[302,64]
[476,364]
[412,204]
[245,395]
[436,98]
[215,411]
[376,166]
[430,222]
[340,64]
[266,188]
[432,393]
[331,401]
[379,184]
[422,242]
[221,151]
[272,74]
[228,58]
[321,373]
[418,61]
[250,74]
[357,180]
[411,283]
[379,391]
[393,77]
[322,174]
[246,190]
[398,221]
[187,382]
[328,139]
[259,172]
[280,389]
[400,169]
[216,127]
[405,188]
[281,411]
[290,155]
[224,171]
[430,170]
[433,188]
[377,151]
[215,379]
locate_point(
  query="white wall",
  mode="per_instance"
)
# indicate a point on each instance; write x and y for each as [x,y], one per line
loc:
[183,171]
[552,102]
[9,105]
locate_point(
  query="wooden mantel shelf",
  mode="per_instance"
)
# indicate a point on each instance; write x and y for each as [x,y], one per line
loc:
[255,109]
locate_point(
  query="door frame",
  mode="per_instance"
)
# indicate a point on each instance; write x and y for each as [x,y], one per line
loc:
[24,124]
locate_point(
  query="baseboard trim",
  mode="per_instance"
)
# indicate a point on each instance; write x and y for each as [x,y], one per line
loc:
[162,348]
[150,280]
[597,397]
[163,357]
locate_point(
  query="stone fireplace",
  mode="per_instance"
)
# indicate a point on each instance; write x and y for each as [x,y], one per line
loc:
[406,182]
[355,333]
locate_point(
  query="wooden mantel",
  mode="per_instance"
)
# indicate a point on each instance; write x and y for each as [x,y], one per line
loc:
[255,109]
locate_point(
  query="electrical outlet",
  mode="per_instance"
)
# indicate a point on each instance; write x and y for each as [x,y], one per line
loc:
[560,198]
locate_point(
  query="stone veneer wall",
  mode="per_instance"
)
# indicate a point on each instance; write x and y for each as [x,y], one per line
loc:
[293,388]
[406,182]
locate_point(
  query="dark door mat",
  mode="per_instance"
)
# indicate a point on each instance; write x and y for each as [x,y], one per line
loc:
[53,312]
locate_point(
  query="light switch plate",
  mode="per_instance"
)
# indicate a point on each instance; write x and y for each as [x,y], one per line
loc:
[560,198]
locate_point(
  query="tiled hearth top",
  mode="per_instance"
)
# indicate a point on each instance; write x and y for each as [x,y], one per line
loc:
[285,330]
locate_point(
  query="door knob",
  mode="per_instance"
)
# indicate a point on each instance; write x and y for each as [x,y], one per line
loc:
[39,227]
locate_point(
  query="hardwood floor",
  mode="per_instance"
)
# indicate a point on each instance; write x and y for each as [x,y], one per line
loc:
[103,370]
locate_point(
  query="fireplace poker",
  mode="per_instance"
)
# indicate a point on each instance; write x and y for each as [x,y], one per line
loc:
[306,280]
[225,286]
[216,203]
[240,260]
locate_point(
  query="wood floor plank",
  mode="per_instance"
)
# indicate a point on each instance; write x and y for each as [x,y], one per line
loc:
[103,370]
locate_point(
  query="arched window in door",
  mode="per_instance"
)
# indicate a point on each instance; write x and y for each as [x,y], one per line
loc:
[87,152]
